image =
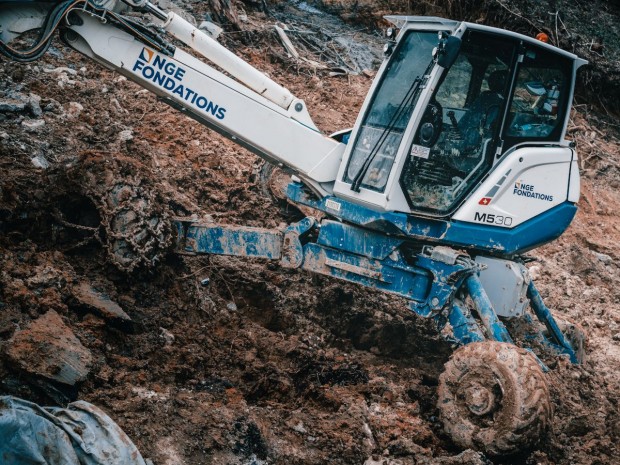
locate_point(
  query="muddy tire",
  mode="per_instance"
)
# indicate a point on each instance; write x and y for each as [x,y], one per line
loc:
[135,220]
[272,181]
[138,232]
[493,397]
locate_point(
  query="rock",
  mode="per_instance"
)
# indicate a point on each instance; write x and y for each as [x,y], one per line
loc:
[382,461]
[40,162]
[299,427]
[468,457]
[74,109]
[125,135]
[11,105]
[34,104]
[16,102]
[33,125]
[616,337]
[65,81]
[53,106]
[231,306]
[534,272]
[117,106]
[87,296]
[602,257]
[47,347]
[167,336]
[60,70]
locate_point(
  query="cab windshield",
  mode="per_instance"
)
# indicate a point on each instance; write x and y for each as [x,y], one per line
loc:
[387,116]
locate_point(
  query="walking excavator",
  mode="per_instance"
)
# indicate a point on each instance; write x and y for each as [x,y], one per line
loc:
[456,167]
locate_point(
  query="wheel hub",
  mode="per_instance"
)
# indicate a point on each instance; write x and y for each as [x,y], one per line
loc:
[479,399]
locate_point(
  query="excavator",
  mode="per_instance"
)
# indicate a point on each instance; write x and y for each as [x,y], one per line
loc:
[456,167]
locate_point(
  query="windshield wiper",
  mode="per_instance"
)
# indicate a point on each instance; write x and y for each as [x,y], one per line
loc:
[407,103]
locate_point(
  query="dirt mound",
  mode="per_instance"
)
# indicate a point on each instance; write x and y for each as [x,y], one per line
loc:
[230,361]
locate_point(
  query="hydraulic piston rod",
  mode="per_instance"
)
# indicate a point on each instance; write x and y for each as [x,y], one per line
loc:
[228,61]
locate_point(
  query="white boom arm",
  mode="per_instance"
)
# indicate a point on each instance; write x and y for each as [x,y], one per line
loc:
[228,61]
[260,115]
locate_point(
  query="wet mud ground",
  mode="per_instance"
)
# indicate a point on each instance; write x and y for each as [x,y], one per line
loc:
[221,360]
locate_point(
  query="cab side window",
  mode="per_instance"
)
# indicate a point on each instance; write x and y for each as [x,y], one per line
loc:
[539,100]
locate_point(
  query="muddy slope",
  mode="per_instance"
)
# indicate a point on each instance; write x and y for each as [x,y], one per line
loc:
[228,361]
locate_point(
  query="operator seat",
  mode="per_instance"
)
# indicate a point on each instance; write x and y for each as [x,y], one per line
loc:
[484,110]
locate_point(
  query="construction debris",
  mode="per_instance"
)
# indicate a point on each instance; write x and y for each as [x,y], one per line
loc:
[79,434]
[288,45]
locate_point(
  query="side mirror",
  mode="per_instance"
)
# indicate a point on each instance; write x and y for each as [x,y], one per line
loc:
[447,51]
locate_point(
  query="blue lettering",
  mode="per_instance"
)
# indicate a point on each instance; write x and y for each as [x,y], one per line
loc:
[212,108]
[148,72]
[159,61]
[159,78]
[201,102]
[170,84]
[179,90]
[169,68]
[163,80]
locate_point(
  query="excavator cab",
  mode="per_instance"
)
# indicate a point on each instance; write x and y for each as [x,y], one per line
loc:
[451,102]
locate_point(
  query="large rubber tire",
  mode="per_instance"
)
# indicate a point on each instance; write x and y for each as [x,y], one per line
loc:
[138,229]
[132,206]
[493,397]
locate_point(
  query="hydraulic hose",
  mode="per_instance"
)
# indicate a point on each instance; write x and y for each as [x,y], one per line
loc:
[44,39]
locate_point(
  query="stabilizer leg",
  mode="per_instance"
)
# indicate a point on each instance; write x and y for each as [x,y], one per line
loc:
[545,316]
[464,326]
[495,328]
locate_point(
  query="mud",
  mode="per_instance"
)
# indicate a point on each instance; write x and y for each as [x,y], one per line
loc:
[233,361]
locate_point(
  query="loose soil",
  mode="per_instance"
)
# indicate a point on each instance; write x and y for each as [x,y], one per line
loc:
[236,361]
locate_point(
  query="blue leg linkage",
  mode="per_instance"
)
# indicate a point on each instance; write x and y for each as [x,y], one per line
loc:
[489,319]
[464,326]
[545,317]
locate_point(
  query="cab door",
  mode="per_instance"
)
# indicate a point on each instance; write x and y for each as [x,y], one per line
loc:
[441,170]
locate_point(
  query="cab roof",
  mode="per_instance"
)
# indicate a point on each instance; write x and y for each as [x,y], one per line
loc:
[421,22]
